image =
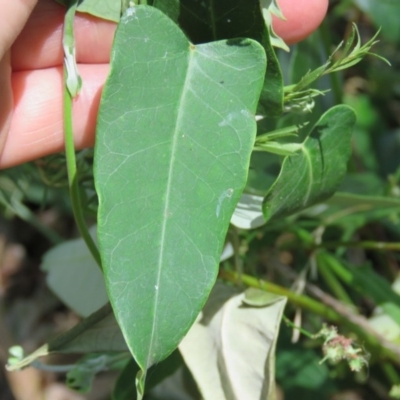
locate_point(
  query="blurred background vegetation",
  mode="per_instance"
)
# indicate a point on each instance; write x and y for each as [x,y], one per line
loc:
[338,262]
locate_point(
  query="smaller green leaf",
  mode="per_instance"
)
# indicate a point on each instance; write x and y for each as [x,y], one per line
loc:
[314,174]
[230,350]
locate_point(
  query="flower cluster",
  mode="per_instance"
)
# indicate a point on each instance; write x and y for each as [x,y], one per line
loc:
[337,348]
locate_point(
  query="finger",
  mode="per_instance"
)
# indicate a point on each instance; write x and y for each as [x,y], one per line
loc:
[37,125]
[36,128]
[12,19]
[40,43]
[302,18]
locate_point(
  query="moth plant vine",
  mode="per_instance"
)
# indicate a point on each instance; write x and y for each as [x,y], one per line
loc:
[193,91]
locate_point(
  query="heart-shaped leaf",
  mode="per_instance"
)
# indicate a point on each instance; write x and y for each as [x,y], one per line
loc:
[315,172]
[175,132]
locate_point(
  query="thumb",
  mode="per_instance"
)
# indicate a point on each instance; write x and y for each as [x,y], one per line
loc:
[13,17]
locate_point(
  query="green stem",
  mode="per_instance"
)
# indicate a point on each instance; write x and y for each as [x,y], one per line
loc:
[73,179]
[71,88]
[297,299]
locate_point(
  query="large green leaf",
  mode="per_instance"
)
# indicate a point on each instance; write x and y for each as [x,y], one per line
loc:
[314,174]
[175,131]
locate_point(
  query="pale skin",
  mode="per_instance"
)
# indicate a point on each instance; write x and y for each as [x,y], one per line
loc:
[31,82]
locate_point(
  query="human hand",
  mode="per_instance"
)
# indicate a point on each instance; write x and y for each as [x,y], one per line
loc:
[31,76]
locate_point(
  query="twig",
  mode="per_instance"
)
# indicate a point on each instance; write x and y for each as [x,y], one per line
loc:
[339,307]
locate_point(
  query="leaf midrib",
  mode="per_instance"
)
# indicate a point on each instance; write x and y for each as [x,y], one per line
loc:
[167,199]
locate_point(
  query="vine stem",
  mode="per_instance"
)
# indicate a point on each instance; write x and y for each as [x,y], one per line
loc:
[71,88]
[380,348]
[298,300]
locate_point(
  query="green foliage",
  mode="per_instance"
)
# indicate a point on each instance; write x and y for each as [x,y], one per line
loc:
[179,156]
